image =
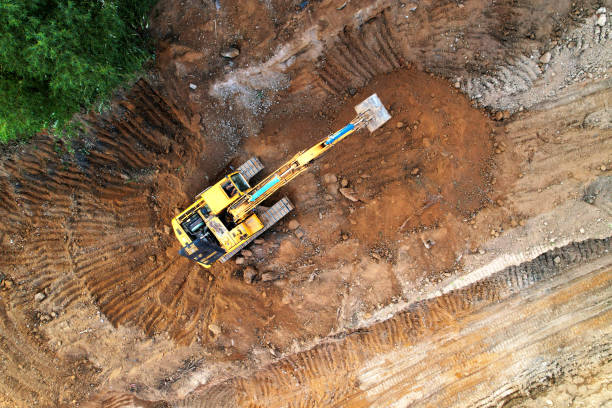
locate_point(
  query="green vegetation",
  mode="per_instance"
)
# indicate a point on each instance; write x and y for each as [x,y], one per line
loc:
[59,57]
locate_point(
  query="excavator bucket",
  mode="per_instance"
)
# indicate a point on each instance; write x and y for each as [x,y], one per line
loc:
[374,111]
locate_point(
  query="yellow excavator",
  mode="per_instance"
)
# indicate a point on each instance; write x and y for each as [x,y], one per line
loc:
[228,215]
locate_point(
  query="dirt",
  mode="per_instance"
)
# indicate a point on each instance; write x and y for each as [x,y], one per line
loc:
[416,247]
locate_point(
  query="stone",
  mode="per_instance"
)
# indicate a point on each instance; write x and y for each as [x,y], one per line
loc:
[249,274]
[601,17]
[269,276]
[582,230]
[293,224]
[240,260]
[193,86]
[349,194]
[415,171]
[259,241]
[344,183]
[246,253]
[330,178]
[167,229]
[152,258]
[499,115]
[557,260]
[39,297]
[457,84]
[214,329]
[399,125]
[545,58]
[230,52]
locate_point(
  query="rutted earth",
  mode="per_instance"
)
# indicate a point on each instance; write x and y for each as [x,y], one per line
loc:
[459,256]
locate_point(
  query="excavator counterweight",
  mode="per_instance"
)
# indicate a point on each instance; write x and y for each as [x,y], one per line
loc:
[229,215]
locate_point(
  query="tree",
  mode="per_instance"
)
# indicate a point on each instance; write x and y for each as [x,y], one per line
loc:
[58,57]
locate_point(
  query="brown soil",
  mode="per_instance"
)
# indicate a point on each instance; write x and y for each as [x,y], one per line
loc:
[411,281]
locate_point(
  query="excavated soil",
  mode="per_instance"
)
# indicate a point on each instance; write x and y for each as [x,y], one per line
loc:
[458,256]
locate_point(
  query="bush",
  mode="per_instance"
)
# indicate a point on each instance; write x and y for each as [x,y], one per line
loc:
[58,57]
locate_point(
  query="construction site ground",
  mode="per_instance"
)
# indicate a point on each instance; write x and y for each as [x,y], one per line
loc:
[458,256]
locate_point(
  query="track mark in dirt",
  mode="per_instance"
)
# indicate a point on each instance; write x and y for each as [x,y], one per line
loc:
[380,365]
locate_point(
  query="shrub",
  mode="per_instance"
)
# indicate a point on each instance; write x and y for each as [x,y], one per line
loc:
[58,57]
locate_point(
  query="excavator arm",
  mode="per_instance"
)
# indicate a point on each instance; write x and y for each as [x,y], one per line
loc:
[370,113]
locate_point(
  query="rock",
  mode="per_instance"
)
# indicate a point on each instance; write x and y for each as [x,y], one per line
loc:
[214,329]
[330,178]
[399,125]
[601,17]
[571,388]
[269,276]
[240,260]
[344,183]
[328,197]
[167,229]
[415,171]
[39,297]
[193,86]
[603,168]
[259,241]
[249,274]
[349,194]
[457,84]
[293,224]
[246,253]
[557,260]
[345,237]
[582,230]
[7,283]
[332,189]
[299,234]
[481,251]
[545,58]
[499,115]
[152,258]
[230,52]
[195,119]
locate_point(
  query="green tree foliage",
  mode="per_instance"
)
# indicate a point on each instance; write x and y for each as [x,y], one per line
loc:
[58,57]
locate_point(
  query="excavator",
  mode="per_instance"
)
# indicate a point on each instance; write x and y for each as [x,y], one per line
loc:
[229,215]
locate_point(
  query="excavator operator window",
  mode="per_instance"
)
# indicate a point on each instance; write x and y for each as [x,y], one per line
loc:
[229,188]
[240,182]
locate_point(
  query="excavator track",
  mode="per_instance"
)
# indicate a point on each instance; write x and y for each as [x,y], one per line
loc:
[268,217]
[250,168]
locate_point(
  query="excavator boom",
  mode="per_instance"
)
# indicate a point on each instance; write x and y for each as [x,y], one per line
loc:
[370,113]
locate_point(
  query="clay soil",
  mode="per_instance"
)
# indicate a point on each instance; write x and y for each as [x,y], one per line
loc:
[458,256]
